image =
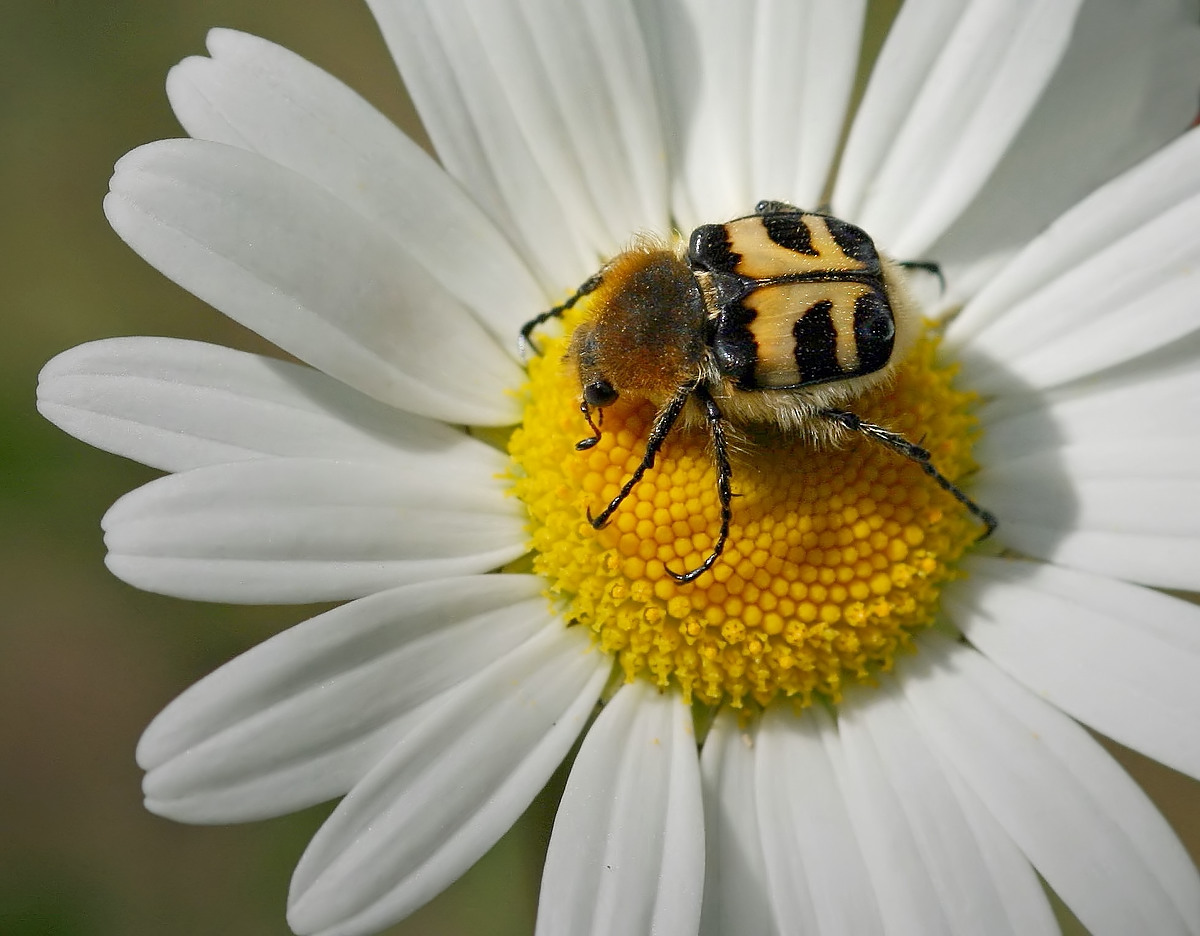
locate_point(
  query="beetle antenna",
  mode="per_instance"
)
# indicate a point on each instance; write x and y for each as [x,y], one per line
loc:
[525,342]
[658,434]
[901,446]
[716,428]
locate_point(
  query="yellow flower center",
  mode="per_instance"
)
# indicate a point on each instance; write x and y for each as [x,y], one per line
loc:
[835,557]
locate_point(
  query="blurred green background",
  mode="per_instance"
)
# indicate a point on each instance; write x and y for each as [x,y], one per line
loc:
[86,661]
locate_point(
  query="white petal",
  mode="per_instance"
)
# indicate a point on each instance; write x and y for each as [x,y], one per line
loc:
[735,892]
[303,716]
[1025,899]
[815,870]
[296,264]
[1086,826]
[935,863]
[1162,561]
[1108,332]
[803,63]
[449,70]
[300,530]
[1130,297]
[1146,404]
[1119,658]
[624,67]
[1138,507]
[669,40]
[578,81]
[261,97]
[702,59]
[1126,509]
[1126,87]
[910,52]
[1150,460]
[175,404]
[754,104]
[627,851]
[1023,494]
[949,92]
[449,789]
[1149,190]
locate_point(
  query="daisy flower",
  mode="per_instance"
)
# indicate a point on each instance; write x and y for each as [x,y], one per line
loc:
[857,720]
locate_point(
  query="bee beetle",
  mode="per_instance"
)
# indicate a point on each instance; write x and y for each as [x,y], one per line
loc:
[780,318]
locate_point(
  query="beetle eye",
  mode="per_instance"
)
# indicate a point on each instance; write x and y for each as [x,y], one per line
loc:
[599,393]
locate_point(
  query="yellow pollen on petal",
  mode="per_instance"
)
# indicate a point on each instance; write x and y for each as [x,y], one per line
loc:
[835,557]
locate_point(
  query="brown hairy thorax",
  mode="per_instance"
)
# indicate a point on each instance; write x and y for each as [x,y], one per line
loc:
[645,335]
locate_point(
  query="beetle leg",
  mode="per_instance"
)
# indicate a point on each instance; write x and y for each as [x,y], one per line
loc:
[769,207]
[658,434]
[526,339]
[901,446]
[716,428]
[928,266]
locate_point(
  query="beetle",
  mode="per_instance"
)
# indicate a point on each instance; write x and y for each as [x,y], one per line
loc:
[781,318]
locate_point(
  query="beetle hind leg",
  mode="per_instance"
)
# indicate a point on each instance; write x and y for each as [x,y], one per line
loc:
[913,452]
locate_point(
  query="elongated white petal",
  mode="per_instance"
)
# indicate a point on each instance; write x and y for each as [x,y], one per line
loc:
[1110,214]
[458,83]
[702,58]
[815,870]
[627,851]
[1087,827]
[1162,313]
[259,96]
[449,789]
[570,72]
[1132,511]
[803,61]
[300,530]
[293,262]
[1158,560]
[627,74]
[1150,460]
[630,113]
[935,864]
[1124,509]
[756,102]
[515,82]
[175,405]
[1167,507]
[933,126]
[735,890]
[1119,658]
[1130,297]
[1141,406]
[1125,88]
[303,716]
[426,66]
[904,64]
